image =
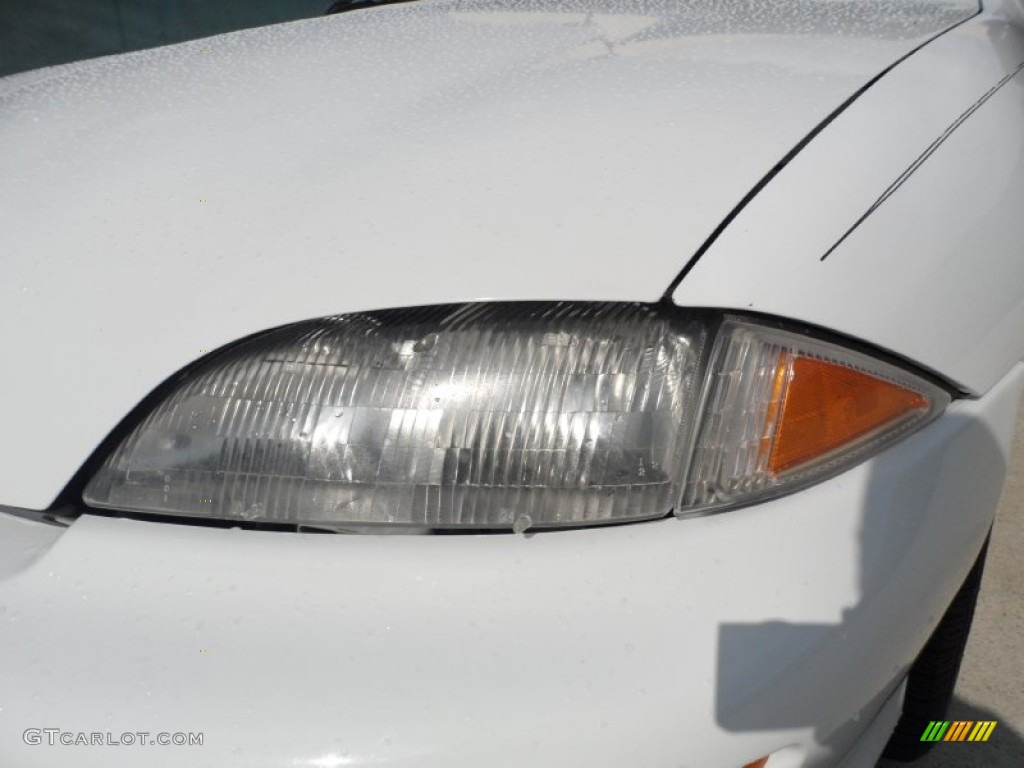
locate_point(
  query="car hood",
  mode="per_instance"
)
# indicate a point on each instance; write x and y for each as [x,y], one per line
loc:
[162,203]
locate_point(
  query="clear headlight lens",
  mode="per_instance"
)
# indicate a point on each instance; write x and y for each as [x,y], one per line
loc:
[508,416]
[480,415]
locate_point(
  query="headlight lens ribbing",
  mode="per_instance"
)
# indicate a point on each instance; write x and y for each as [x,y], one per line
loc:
[508,416]
[478,415]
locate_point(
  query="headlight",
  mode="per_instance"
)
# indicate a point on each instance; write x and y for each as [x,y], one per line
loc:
[507,416]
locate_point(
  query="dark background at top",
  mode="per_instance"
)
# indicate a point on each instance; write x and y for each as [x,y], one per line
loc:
[40,33]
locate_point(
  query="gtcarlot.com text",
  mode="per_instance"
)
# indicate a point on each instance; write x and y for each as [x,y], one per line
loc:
[58,737]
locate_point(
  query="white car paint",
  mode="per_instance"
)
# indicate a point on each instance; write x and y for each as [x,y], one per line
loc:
[703,642]
[935,272]
[786,627]
[164,202]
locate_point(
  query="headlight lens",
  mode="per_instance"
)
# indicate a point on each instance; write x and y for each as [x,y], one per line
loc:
[508,416]
[481,415]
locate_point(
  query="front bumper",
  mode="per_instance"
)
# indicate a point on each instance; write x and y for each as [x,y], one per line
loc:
[703,642]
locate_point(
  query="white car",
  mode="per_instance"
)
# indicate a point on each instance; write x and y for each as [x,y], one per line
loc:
[695,328]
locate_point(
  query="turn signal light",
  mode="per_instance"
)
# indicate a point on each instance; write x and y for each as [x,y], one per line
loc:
[786,410]
[824,406]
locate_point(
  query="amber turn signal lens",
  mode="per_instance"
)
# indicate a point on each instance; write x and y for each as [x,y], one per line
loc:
[823,406]
[786,410]
[757,763]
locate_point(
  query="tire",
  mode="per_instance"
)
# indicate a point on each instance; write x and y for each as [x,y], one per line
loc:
[933,675]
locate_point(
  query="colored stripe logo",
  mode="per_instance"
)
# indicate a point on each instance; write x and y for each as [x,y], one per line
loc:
[958,730]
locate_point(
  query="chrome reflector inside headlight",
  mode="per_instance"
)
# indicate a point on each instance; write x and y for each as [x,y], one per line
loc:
[444,417]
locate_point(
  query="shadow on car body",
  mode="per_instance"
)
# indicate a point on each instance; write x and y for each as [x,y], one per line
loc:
[914,520]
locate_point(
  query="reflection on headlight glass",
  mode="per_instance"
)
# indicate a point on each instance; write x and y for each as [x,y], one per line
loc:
[478,415]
